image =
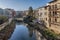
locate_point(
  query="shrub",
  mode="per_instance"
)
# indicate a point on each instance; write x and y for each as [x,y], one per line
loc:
[3,19]
[50,34]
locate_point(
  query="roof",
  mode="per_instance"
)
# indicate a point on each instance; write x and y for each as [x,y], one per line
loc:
[52,1]
[42,7]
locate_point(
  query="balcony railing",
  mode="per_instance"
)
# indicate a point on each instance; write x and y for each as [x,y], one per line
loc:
[56,23]
[56,15]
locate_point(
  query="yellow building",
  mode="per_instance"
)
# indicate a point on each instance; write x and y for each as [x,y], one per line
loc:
[47,16]
[54,14]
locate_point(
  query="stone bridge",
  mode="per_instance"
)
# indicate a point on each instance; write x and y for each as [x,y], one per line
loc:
[19,19]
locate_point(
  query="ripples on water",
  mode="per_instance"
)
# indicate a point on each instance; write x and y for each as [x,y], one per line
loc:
[21,32]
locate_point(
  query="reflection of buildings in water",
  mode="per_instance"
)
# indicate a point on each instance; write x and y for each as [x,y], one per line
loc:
[30,31]
[38,35]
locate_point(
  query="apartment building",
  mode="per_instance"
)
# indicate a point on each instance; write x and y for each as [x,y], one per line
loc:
[43,15]
[50,14]
[54,14]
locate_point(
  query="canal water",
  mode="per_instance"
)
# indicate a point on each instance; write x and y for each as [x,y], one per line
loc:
[21,32]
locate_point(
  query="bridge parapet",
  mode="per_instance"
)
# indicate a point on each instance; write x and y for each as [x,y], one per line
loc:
[19,19]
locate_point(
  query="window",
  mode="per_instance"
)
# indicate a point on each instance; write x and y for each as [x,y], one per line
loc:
[55,19]
[46,19]
[40,14]
[45,13]
[58,14]
[50,13]
[45,8]
[55,6]
[49,20]
[52,6]
[53,13]
[49,7]
[58,5]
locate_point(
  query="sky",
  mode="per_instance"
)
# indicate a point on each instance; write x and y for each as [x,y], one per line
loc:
[20,5]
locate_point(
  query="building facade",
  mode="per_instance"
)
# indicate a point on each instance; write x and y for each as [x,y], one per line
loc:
[9,12]
[54,14]
[43,15]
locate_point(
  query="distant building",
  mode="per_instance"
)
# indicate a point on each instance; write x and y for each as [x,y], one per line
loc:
[9,12]
[19,13]
[1,11]
[25,13]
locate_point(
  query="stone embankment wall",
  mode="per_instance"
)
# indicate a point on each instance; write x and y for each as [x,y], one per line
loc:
[6,31]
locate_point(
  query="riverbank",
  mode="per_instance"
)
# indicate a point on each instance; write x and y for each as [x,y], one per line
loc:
[37,32]
[48,34]
[7,31]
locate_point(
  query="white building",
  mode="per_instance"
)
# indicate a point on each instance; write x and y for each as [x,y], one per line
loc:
[43,15]
[9,12]
[1,11]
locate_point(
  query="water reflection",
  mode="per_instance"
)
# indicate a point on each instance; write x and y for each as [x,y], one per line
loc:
[21,32]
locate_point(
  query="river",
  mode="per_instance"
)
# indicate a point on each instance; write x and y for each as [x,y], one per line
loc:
[21,32]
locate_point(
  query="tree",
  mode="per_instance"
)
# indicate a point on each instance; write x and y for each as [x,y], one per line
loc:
[30,13]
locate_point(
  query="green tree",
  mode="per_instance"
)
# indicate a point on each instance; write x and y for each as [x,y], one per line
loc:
[30,13]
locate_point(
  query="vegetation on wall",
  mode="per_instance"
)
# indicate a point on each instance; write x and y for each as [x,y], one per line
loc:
[3,19]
